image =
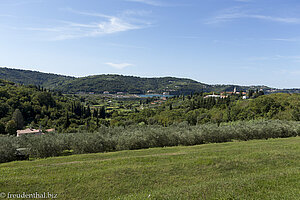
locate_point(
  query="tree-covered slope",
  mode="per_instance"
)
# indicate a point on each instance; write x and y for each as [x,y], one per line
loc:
[29,77]
[131,84]
[37,107]
[115,83]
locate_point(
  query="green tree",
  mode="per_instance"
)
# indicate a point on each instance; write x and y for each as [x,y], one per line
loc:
[18,118]
[95,113]
[67,122]
[2,128]
[11,127]
[88,112]
[4,108]
[250,93]
[45,99]
[102,112]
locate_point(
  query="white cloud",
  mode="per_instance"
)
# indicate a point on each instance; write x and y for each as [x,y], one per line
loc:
[243,0]
[286,58]
[119,65]
[289,72]
[126,46]
[236,13]
[276,19]
[286,39]
[19,2]
[100,26]
[44,29]
[148,2]
[4,15]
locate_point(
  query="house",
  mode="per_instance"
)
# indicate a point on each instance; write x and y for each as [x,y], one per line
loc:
[150,91]
[51,130]
[212,96]
[29,131]
[230,93]
[106,92]
[33,131]
[215,96]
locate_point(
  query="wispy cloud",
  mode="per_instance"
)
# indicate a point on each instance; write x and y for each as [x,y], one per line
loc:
[149,2]
[19,2]
[119,65]
[286,39]
[188,37]
[291,58]
[93,14]
[126,46]
[4,15]
[289,72]
[159,3]
[44,29]
[243,0]
[235,13]
[101,25]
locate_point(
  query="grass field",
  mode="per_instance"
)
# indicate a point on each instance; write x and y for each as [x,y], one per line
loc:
[259,169]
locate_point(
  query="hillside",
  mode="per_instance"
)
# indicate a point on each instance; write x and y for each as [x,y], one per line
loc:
[131,84]
[115,83]
[28,77]
[37,107]
[264,169]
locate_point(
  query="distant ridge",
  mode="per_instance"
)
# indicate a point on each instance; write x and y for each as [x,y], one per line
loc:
[119,83]
[29,77]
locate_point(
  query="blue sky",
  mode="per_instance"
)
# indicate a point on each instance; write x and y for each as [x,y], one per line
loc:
[246,42]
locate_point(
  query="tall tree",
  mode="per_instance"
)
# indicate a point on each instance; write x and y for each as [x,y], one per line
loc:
[88,112]
[18,118]
[67,122]
[95,113]
[11,127]
[102,113]
[2,128]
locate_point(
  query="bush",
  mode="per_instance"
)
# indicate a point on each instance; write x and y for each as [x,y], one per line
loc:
[140,137]
[8,146]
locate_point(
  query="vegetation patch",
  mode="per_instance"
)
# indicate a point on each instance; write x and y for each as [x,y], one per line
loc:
[141,137]
[257,169]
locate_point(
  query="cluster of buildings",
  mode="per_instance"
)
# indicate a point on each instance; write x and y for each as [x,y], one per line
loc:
[226,94]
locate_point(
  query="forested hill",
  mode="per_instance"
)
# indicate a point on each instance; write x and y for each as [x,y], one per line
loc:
[29,77]
[115,83]
[131,84]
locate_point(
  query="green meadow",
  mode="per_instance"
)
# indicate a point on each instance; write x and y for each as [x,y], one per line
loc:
[257,169]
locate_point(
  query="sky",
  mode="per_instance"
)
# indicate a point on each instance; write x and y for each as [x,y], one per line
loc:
[245,42]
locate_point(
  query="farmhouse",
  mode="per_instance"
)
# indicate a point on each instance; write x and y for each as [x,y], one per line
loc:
[28,131]
[33,132]
[212,96]
[215,96]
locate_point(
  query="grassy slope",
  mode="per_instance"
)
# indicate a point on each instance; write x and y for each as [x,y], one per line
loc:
[265,169]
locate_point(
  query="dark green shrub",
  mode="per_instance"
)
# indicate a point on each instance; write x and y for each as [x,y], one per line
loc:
[140,137]
[8,146]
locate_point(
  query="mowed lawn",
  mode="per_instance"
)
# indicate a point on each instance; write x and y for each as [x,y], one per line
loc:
[260,169]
